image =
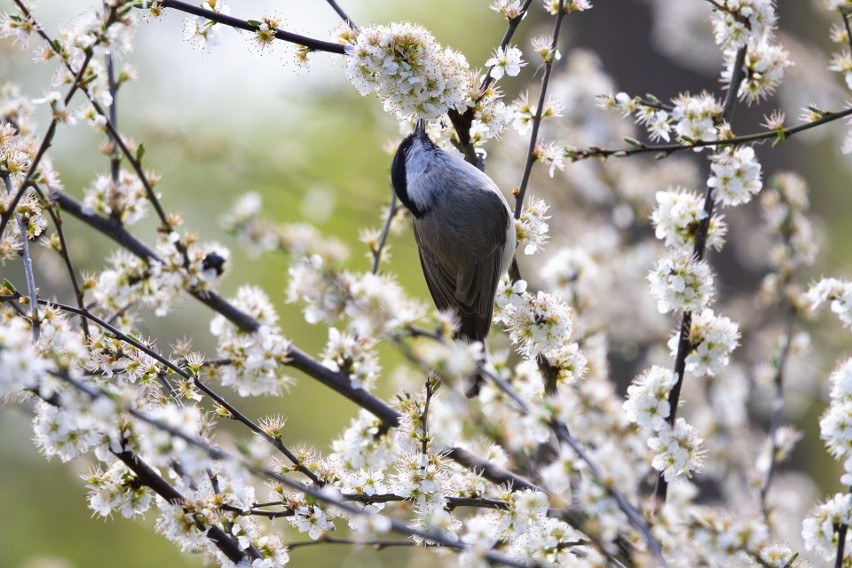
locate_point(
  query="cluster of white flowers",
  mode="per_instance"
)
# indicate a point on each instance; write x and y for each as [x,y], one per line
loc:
[353,356]
[309,516]
[122,199]
[695,117]
[543,326]
[252,361]
[64,432]
[736,175]
[764,67]
[190,265]
[552,6]
[408,70]
[201,33]
[676,446]
[784,208]
[360,445]
[676,450]
[647,403]
[840,294]
[505,61]
[677,217]
[524,112]
[737,22]
[532,228]
[114,489]
[491,117]
[16,154]
[679,282]
[314,282]
[712,339]
[22,366]
[750,24]
[820,529]
[131,280]
[377,305]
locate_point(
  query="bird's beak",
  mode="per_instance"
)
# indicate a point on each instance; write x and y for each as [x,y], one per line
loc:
[420,127]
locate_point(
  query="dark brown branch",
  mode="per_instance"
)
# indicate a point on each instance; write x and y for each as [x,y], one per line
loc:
[296,357]
[489,471]
[311,43]
[149,478]
[667,149]
[683,346]
[342,14]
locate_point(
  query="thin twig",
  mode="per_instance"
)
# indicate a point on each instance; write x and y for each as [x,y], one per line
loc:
[377,544]
[737,74]
[539,112]
[779,135]
[342,14]
[310,43]
[777,403]
[377,254]
[45,143]
[149,477]
[841,545]
[115,159]
[424,418]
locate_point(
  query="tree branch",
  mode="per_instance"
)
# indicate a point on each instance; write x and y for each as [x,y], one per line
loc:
[311,43]
[539,112]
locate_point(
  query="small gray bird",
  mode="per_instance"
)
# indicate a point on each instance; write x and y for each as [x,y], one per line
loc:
[464,230]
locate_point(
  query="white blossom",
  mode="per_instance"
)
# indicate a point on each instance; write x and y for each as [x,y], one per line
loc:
[735,22]
[764,67]
[505,61]
[532,228]
[116,489]
[124,199]
[712,338]
[541,325]
[736,175]
[353,356]
[408,70]
[819,530]
[647,401]
[677,450]
[677,217]
[679,282]
[840,294]
[695,117]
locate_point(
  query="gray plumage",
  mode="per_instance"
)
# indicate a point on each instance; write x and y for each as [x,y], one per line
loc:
[463,226]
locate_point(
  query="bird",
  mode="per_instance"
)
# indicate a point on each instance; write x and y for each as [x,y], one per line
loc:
[464,230]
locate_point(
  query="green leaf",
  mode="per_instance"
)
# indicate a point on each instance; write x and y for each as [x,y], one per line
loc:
[140,151]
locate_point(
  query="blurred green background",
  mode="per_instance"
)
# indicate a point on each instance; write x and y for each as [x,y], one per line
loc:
[222,123]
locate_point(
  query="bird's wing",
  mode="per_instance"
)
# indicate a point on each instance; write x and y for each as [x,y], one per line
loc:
[462,259]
